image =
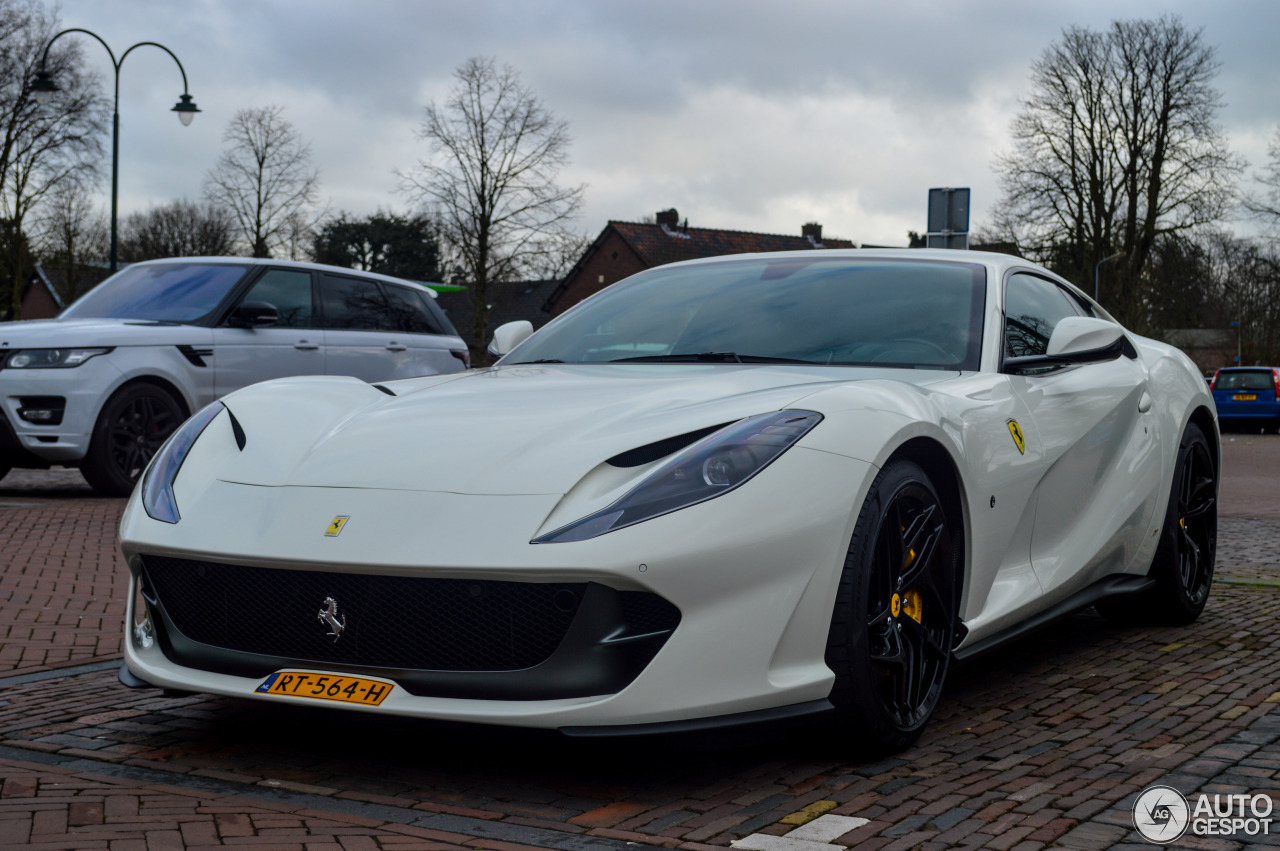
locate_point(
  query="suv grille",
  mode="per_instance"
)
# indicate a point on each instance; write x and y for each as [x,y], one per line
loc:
[390,621]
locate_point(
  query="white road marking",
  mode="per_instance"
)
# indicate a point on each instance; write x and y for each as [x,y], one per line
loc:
[826,828]
[813,836]
[768,842]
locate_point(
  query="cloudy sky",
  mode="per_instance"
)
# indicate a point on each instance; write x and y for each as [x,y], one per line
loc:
[740,113]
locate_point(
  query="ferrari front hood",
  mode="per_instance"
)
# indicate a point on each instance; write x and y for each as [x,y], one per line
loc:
[508,430]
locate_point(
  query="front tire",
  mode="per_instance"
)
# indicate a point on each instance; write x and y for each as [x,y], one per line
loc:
[131,427]
[895,615]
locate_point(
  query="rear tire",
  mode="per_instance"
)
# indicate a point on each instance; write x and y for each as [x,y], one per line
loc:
[1184,560]
[130,428]
[895,613]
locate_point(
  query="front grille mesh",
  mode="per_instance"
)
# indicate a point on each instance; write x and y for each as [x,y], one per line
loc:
[390,621]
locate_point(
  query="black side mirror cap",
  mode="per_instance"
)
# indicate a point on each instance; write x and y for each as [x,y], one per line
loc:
[253,314]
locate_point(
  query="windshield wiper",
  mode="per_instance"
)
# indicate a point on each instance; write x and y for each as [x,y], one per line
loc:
[707,357]
[539,360]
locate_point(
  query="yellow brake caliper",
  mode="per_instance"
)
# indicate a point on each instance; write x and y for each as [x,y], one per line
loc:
[913,605]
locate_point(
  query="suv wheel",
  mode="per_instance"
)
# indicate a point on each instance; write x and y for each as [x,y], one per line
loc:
[131,427]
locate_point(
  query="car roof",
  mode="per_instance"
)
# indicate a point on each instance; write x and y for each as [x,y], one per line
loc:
[289,264]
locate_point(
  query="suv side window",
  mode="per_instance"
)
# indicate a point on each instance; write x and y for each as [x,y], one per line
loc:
[409,311]
[355,304]
[290,291]
[1033,307]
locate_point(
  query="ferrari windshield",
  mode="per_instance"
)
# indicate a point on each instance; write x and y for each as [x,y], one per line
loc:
[159,292]
[923,314]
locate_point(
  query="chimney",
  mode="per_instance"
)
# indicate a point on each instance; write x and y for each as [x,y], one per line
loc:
[813,232]
[669,218]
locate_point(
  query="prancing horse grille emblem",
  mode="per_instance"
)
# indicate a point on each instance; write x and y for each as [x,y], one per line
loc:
[329,616]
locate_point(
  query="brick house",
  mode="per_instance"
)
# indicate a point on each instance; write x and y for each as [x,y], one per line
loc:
[625,248]
[40,299]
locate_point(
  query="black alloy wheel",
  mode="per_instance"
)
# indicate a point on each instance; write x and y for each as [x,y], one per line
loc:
[1197,526]
[133,425]
[895,619]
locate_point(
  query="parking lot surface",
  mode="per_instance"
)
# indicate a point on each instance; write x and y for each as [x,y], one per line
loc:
[1043,744]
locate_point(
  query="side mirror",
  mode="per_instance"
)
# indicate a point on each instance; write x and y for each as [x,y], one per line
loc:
[1077,340]
[1077,334]
[253,314]
[507,337]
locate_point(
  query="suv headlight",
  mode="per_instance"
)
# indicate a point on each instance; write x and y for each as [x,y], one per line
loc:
[51,358]
[157,481]
[709,468]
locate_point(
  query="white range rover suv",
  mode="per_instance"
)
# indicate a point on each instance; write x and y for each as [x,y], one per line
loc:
[105,383]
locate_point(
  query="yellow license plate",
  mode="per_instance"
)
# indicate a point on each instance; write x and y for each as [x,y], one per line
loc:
[326,687]
[1245,397]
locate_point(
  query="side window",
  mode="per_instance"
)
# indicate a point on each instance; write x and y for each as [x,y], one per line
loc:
[290,291]
[353,304]
[409,312]
[1032,309]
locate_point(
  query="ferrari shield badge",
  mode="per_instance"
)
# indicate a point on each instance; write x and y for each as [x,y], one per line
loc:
[335,528]
[1018,439]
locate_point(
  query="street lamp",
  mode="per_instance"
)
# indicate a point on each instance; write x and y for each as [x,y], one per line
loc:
[43,88]
[1099,266]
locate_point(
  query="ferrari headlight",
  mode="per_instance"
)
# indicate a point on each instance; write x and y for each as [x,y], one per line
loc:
[157,481]
[709,468]
[51,358]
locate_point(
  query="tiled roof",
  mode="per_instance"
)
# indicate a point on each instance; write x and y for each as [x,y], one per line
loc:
[657,245]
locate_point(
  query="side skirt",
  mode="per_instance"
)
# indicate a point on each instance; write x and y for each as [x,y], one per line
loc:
[1120,585]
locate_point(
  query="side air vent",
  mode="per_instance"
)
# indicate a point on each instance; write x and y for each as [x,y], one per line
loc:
[642,455]
[386,390]
[195,355]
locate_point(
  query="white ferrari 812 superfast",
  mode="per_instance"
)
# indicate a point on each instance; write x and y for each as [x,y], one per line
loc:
[727,491]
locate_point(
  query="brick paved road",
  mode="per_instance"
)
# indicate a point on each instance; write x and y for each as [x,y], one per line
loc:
[1043,744]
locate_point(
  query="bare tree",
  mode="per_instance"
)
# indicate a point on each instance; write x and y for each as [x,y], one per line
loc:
[180,229]
[41,147]
[265,178]
[1116,146]
[73,232]
[1264,203]
[496,153]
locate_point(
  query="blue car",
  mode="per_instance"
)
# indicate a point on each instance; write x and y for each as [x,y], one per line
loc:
[1248,396]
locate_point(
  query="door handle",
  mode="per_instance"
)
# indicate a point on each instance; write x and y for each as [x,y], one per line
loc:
[1144,404]
[395,347]
[305,346]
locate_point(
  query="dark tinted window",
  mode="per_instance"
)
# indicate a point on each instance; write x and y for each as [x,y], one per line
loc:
[1032,309]
[163,292]
[355,304]
[410,311]
[290,291]
[1253,380]
[841,311]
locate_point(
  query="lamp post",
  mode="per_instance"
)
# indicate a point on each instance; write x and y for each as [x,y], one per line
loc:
[43,89]
[1099,266]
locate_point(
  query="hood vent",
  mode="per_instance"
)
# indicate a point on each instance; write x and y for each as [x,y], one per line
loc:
[648,453]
